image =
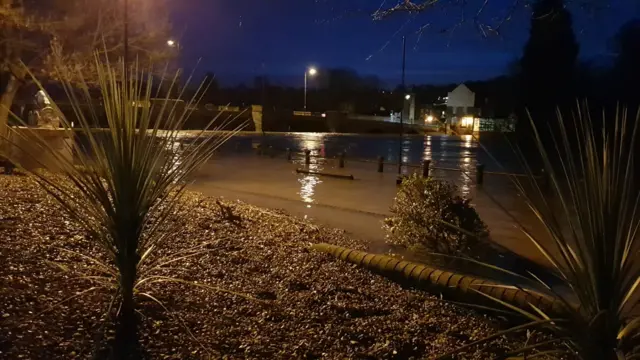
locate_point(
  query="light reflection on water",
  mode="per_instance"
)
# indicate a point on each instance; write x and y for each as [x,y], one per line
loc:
[308,183]
[428,152]
[451,152]
[464,158]
[177,151]
[406,149]
[467,166]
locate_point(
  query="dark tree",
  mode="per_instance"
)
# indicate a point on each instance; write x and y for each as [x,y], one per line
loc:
[626,73]
[59,38]
[211,87]
[548,63]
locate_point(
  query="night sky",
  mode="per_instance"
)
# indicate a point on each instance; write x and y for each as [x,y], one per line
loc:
[241,39]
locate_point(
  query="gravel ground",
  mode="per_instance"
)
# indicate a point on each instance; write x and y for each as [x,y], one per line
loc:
[299,304]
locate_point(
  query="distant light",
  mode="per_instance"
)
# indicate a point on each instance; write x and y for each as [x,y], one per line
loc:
[313,71]
[324,115]
[171,43]
[407,96]
[429,118]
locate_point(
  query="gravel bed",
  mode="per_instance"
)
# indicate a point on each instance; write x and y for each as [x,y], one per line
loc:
[291,303]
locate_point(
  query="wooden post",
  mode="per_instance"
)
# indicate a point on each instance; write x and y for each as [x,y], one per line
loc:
[288,154]
[341,160]
[425,168]
[380,164]
[307,156]
[480,174]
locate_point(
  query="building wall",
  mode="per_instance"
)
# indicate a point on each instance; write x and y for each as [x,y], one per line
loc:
[461,97]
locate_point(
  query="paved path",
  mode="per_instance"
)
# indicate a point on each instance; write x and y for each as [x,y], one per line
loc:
[356,206]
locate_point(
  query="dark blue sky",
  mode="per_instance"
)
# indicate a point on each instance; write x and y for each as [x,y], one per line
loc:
[240,39]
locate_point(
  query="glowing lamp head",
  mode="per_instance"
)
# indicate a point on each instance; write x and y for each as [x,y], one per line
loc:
[171,43]
[429,118]
[313,71]
[407,97]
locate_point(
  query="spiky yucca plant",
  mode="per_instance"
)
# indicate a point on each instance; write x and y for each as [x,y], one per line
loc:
[128,179]
[593,226]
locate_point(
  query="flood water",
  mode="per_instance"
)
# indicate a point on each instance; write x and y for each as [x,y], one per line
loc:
[463,152]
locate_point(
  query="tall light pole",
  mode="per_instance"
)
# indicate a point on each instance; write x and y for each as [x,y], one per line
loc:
[126,35]
[404,99]
[309,72]
[125,56]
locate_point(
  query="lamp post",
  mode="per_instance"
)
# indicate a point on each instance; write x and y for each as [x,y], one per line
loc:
[309,72]
[407,97]
[126,35]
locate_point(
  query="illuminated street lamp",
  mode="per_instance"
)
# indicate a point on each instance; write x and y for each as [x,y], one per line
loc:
[407,97]
[309,72]
[173,44]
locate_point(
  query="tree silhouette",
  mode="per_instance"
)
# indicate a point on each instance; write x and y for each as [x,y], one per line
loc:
[626,72]
[65,34]
[548,62]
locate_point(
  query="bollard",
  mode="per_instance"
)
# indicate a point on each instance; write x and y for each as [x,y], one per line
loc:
[288,154]
[237,147]
[341,160]
[307,156]
[425,168]
[380,164]
[259,149]
[479,174]
[271,152]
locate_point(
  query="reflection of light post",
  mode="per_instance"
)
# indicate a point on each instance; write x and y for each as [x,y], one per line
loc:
[309,72]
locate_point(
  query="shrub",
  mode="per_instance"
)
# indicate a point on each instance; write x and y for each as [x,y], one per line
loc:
[428,214]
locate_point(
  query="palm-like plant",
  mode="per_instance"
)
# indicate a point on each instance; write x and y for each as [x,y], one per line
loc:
[593,226]
[128,179]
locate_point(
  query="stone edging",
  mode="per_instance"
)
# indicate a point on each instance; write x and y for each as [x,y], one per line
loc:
[451,285]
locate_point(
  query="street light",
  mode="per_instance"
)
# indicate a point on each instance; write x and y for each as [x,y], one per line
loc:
[407,97]
[126,34]
[309,72]
[171,43]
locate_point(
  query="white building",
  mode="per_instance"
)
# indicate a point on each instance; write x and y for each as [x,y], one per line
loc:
[461,112]
[460,101]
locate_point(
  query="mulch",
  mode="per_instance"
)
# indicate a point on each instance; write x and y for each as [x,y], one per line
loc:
[254,291]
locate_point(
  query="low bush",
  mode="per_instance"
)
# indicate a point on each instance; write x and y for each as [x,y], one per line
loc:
[429,215]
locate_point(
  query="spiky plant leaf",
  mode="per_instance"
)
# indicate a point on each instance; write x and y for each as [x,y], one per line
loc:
[592,222]
[127,180]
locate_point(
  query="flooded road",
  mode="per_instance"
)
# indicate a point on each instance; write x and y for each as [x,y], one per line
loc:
[358,206]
